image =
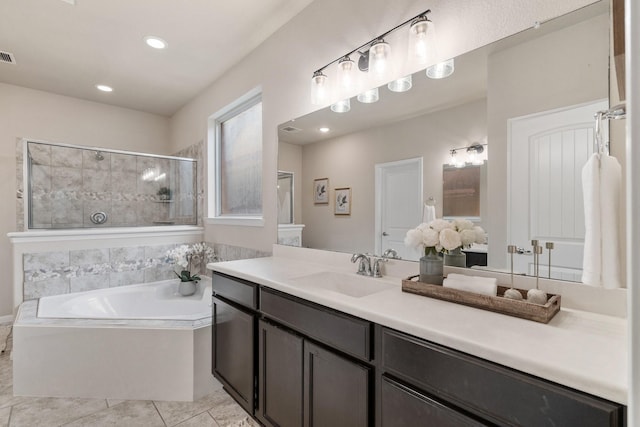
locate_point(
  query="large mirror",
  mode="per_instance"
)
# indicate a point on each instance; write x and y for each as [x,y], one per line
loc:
[392,154]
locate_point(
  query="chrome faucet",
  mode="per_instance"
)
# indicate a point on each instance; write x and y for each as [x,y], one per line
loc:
[391,254]
[377,268]
[364,267]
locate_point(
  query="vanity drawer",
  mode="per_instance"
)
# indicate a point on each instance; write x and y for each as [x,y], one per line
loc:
[236,290]
[342,332]
[501,395]
[401,406]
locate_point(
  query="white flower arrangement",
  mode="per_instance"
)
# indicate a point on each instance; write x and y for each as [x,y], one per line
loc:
[184,255]
[443,236]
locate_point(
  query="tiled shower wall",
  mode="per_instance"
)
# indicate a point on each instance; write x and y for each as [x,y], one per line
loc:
[61,272]
[69,184]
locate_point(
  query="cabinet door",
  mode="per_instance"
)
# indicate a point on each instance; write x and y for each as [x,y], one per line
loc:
[279,376]
[336,390]
[405,407]
[233,351]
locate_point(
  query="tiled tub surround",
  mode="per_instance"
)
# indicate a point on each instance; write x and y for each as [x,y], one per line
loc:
[61,272]
[68,184]
[55,262]
[583,350]
[115,359]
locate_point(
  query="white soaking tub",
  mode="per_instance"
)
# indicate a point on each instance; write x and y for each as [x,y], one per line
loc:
[156,301]
[139,342]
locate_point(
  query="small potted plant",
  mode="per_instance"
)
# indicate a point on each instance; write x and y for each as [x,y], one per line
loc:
[183,256]
[164,193]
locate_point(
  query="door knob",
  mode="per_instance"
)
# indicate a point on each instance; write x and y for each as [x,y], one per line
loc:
[384,233]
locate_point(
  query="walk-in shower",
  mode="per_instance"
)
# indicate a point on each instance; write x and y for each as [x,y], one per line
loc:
[76,187]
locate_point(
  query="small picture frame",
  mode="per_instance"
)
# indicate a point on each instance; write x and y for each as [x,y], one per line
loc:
[321,191]
[342,201]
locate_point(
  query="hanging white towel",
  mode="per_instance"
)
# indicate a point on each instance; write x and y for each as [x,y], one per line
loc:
[428,213]
[610,190]
[601,183]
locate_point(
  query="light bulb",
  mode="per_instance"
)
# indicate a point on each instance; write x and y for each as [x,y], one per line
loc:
[318,88]
[403,84]
[341,106]
[369,96]
[419,39]
[441,70]
[346,71]
[378,57]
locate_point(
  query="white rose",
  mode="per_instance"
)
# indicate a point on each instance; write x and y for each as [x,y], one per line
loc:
[481,235]
[413,238]
[422,227]
[450,239]
[468,237]
[440,224]
[430,237]
[463,224]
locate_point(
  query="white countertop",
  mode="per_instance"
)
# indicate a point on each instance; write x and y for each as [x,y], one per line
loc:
[578,349]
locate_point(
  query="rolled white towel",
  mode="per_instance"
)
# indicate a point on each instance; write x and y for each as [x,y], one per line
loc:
[475,286]
[480,279]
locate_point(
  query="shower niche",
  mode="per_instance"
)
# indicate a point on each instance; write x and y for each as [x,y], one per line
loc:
[80,187]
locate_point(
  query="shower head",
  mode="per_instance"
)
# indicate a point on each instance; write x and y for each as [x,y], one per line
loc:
[99,156]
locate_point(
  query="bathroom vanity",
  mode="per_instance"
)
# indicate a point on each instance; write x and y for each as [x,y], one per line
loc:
[296,345]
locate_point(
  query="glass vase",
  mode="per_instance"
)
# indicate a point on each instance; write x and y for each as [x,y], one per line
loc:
[431,269]
[455,258]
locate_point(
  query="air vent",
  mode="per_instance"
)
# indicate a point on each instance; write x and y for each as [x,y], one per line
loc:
[7,57]
[291,129]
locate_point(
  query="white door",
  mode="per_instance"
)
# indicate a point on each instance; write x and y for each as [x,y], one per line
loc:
[546,154]
[398,205]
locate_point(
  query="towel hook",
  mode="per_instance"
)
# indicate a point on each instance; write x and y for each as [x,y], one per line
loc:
[430,201]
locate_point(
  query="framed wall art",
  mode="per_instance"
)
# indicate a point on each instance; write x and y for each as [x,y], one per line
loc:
[343,201]
[321,191]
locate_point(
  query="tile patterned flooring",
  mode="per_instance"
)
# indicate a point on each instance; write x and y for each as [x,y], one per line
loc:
[215,410]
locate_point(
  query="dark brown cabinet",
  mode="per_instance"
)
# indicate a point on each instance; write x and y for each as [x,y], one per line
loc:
[401,406]
[293,363]
[488,391]
[279,376]
[336,390]
[303,379]
[233,351]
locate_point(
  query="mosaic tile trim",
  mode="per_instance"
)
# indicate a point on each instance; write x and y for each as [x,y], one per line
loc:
[54,273]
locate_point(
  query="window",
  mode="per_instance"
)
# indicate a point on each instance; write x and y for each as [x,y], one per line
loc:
[235,195]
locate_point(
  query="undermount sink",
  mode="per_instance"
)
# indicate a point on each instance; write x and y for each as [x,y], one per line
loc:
[343,283]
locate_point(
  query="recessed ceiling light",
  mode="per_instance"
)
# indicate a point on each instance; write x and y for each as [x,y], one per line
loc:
[155,42]
[324,130]
[104,88]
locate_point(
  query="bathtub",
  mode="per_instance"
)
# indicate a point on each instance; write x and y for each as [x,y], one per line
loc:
[158,300]
[139,342]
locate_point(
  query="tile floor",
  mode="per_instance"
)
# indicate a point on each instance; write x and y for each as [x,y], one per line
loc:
[215,410]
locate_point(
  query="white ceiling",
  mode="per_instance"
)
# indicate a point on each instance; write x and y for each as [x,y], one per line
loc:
[67,49]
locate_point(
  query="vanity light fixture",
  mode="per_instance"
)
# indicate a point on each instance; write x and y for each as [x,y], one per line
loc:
[342,106]
[369,96]
[379,57]
[419,35]
[402,84]
[474,151]
[374,58]
[318,88]
[155,42]
[473,154]
[346,72]
[441,70]
[104,88]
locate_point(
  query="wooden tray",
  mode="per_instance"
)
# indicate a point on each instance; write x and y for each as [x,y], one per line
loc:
[498,304]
